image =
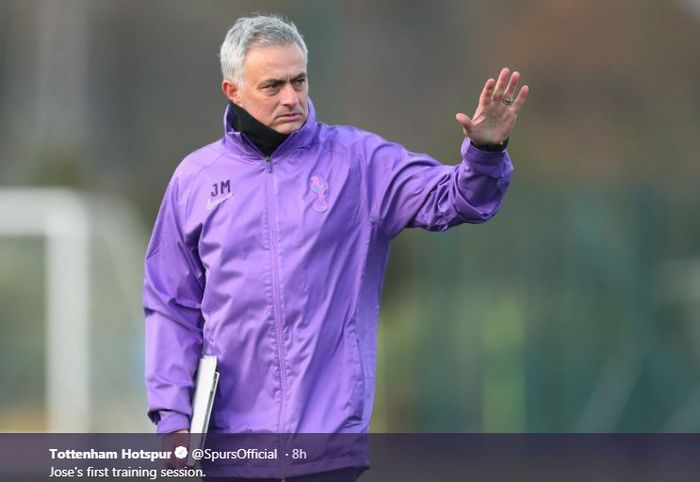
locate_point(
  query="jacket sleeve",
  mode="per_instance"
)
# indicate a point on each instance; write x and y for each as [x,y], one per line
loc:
[172,296]
[414,190]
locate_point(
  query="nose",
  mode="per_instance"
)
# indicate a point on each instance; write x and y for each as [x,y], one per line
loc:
[289,97]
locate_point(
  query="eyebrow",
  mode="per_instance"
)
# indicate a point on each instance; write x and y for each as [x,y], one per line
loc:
[282,81]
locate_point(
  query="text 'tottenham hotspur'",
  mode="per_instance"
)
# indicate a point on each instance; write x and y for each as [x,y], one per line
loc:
[93,454]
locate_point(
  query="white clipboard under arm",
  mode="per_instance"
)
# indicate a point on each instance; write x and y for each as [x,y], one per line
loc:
[203,401]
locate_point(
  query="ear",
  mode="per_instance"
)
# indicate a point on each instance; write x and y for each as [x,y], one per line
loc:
[231,91]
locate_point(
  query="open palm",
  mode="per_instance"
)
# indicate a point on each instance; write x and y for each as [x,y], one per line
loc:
[497,111]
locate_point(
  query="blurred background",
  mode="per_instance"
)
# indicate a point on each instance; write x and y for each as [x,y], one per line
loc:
[576,309]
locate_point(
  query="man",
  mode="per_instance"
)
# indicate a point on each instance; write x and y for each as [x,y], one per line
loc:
[270,247]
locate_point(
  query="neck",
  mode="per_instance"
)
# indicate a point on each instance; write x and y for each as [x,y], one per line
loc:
[264,138]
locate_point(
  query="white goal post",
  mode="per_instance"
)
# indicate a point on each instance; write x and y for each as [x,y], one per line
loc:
[94,338]
[60,218]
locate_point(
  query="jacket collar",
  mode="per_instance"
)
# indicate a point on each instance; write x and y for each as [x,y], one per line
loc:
[241,146]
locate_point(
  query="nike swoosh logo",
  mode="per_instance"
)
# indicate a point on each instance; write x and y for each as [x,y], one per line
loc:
[212,203]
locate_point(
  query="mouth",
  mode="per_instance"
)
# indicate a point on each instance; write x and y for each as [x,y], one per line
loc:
[292,116]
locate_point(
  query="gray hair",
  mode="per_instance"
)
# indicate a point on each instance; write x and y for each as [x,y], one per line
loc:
[256,31]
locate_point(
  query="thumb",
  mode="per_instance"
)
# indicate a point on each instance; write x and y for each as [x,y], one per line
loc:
[465,122]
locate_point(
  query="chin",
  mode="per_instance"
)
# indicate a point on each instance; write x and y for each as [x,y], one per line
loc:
[288,127]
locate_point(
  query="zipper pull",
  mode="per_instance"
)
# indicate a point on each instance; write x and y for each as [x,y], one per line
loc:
[268,164]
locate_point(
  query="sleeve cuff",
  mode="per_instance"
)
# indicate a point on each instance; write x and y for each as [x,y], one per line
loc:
[492,147]
[472,153]
[493,164]
[172,422]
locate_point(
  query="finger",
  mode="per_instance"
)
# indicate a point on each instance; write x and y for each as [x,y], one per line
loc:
[512,86]
[501,84]
[465,122]
[487,92]
[520,100]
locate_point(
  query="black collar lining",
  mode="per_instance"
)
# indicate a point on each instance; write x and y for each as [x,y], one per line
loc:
[262,136]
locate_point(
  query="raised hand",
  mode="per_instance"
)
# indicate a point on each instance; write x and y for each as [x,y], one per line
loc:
[497,111]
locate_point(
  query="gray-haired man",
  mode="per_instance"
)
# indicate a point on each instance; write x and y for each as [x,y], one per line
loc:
[270,247]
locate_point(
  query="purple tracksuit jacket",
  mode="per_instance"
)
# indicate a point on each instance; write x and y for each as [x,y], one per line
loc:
[275,266]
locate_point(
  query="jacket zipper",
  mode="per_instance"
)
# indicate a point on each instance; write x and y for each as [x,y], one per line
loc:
[272,225]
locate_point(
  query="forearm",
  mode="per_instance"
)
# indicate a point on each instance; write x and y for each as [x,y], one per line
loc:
[483,179]
[172,352]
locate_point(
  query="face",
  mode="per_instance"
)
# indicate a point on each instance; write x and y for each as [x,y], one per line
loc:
[275,89]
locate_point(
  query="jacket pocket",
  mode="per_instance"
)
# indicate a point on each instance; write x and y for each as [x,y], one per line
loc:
[355,402]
